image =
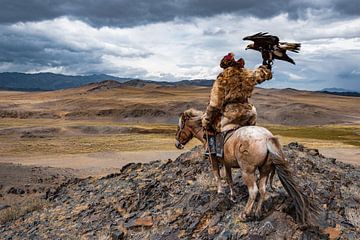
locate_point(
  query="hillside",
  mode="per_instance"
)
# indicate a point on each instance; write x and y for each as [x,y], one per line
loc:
[177,199]
[155,102]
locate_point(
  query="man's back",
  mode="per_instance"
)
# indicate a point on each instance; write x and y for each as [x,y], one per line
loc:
[229,96]
[238,84]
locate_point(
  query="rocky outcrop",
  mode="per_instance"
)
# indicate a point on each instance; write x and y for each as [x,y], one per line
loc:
[178,200]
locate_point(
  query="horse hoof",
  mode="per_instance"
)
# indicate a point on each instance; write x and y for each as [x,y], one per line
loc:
[233,199]
[221,190]
[258,215]
[243,217]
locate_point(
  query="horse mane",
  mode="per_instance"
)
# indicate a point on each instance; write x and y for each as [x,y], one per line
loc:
[193,113]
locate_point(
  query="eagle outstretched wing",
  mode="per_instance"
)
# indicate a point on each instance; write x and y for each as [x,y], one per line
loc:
[271,47]
[263,41]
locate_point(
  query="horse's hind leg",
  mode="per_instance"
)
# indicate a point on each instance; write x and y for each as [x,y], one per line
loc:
[250,181]
[216,172]
[270,178]
[264,174]
[229,181]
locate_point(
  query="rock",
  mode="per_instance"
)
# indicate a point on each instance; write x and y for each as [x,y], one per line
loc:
[266,228]
[224,235]
[117,235]
[79,208]
[171,236]
[333,232]
[3,206]
[146,221]
[17,191]
[313,152]
[213,230]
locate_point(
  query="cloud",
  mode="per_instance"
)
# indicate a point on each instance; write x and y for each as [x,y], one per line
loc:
[293,76]
[178,45]
[139,12]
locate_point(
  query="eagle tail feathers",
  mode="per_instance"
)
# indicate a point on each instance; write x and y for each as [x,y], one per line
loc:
[293,47]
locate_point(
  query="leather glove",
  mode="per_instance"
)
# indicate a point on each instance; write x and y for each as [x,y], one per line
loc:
[205,123]
[268,65]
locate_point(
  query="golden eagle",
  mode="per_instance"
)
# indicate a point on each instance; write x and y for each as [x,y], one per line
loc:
[271,47]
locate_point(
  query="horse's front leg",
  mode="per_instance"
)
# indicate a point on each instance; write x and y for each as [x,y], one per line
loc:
[216,171]
[230,182]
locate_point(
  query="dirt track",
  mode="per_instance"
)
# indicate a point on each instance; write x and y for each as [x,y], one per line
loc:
[346,155]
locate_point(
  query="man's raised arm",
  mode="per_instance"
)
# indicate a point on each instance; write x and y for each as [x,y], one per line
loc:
[262,74]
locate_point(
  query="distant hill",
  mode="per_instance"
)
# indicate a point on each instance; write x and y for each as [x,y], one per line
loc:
[336,90]
[52,81]
[49,81]
[196,82]
[340,92]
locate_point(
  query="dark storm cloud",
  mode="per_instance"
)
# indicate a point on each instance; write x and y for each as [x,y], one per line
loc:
[137,12]
[39,50]
[31,52]
[348,7]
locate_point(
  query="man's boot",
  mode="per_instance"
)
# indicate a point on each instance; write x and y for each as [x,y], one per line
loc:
[211,148]
[220,145]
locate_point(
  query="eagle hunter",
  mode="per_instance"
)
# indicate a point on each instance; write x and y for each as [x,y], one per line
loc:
[271,47]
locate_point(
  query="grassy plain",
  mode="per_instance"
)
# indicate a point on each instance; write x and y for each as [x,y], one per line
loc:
[319,136]
[141,137]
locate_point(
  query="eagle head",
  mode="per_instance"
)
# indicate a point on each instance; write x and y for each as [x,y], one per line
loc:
[250,46]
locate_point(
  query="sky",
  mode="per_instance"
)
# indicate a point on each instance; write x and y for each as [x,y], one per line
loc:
[172,40]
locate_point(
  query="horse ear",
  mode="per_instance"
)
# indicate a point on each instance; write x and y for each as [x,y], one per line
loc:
[188,113]
[181,114]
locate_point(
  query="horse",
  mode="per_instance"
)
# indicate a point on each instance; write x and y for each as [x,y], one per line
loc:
[249,148]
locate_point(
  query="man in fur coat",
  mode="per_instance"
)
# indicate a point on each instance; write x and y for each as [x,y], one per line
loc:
[229,106]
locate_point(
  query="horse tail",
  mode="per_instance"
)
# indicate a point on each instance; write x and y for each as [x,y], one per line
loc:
[302,204]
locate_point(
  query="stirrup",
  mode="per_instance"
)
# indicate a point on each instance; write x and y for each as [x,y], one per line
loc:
[207,153]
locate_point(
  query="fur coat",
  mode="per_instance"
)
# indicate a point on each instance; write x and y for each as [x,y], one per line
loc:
[229,106]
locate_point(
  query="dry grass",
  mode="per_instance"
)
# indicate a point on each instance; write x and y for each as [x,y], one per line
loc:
[144,137]
[320,136]
[89,144]
[13,213]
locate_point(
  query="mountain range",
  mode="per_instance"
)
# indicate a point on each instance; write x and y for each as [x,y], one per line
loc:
[51,81]
[341,92]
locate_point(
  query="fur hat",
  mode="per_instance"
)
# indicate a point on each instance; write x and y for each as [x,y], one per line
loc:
[228,61]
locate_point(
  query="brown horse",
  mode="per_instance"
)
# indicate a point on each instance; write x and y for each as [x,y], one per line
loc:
[249,148]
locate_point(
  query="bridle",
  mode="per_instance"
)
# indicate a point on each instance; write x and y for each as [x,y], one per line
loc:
[181,131]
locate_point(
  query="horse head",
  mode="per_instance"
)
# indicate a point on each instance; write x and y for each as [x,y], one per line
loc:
[189,126]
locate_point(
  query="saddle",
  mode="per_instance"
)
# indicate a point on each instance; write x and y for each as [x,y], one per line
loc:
[217,141]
